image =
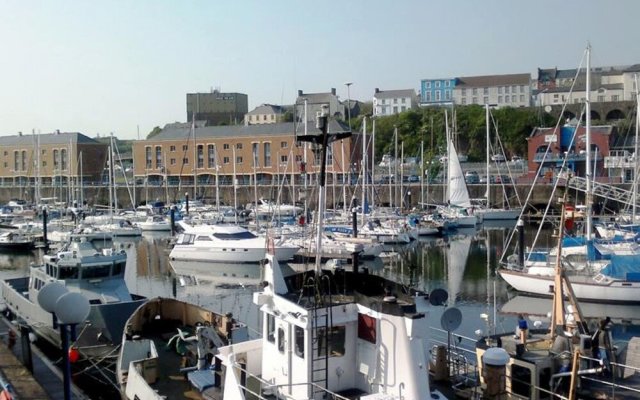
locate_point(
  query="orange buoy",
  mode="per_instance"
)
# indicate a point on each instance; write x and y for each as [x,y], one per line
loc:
[74,354]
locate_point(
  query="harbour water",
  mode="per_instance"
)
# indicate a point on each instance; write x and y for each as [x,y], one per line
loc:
[463,264]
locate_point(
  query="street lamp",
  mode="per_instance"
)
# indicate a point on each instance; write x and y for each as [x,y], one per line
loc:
[69,309]
[348,85]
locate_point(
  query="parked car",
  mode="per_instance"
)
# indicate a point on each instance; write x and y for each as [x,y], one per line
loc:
[498,158]
[411,179]
[471,177]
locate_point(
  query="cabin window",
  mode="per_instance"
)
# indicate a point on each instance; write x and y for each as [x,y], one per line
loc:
[234,236]
[68,273]
[96,271]
[521,380]
[281,340]
[271,328]
[367,328]
[203,238]
[299,341]
[331,340]
[118,268]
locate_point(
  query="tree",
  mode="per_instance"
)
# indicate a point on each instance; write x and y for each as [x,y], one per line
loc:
[155,131]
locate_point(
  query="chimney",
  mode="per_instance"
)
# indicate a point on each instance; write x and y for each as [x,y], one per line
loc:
[57,131]
[300,93]
[377,90]
[333,91]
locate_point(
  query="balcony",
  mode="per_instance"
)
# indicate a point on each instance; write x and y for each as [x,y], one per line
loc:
[570,157]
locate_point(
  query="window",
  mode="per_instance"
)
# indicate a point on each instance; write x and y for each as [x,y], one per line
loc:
[267,154]
[485,91]
[437,95]
[506,89]
[499,89]
[185,147]
[447,94]
[615,97]
[427,96]
[172,161]
[254,154]
[271,328]
[63,159]
[331,340]
[367,328]
[464,91]
[158,157]
[238,146]
[185,161]
[273,117]
[514,89]
[427,85]
[403,109]
[264,117]
[283,145]
[437,84]
[172,148]
[281,340]
[16,160]
[147,157]
[238,159]
[299,341]
[485,100]
[600,99]
[225,146]
[464,100]
[521,88]
[506,99]
[514,98]
[447,83]
[225,160]
[395,101]
[475,91]
[521,98]
[211,156]
[395,109]
[474,100]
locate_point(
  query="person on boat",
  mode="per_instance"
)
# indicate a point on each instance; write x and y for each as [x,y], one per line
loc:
[600,338]
[523,329]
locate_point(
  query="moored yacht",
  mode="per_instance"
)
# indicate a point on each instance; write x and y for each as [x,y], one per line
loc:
[224,244]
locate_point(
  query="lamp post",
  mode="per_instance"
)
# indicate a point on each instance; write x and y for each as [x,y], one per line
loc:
[69,309]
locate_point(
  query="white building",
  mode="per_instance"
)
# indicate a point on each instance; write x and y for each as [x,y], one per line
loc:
[512,90]
[389,102]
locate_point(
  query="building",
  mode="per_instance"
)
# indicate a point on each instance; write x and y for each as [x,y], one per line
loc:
[265,114]
[266,152]
[511,90]
[59,158]
[310,104]
[566,144]
[389,102]
[436,92]
[217,108]
[608,84]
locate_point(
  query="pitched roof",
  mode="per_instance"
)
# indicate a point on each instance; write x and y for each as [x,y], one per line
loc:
[393,94]
[61,138]
[316,98]
[494,80]
[633,68]
[232,131]
[267,109]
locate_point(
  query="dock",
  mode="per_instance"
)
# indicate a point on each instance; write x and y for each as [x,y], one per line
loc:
[45,382]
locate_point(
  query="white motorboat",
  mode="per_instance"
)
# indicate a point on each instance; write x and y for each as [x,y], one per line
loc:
[225,244]
[155,223]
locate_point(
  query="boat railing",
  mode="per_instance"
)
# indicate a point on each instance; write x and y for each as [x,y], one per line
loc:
[617,372]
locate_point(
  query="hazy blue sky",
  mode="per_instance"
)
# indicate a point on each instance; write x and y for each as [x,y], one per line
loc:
[110,66]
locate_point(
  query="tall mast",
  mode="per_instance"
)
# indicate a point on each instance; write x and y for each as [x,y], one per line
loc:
[373,162]
[588,172]
[364,165]
[421,170]
[635,152]
[486,106]
[195,157]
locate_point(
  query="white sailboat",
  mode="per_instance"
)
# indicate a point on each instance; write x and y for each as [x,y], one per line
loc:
[457,255]
[457,193]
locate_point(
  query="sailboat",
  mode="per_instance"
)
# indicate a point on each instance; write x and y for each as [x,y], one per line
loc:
[457,255]
[488,213]
[458,202]
[616,279]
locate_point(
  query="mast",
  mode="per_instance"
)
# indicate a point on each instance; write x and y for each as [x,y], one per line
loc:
[364,165]
[448,170]
[486,106]
[395,164]
[373,162]
[635,153]
[422,173]
[195,157]
[588,172]
[235,187]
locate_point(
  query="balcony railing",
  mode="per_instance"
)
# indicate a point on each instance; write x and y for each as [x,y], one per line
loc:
[559,157]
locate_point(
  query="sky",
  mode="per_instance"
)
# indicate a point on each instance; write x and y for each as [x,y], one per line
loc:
[124,67]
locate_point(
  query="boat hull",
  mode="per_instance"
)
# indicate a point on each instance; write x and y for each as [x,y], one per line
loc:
[589,290]
[228,254]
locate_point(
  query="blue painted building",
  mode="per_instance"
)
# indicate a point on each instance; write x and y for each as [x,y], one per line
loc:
[435,92]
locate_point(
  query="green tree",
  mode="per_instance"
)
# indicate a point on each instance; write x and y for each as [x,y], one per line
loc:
[154,132]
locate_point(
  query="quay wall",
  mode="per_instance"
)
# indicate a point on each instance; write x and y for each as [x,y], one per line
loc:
[99,195]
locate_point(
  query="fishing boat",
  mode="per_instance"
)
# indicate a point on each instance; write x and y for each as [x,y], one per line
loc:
[85,267]
[168,350]
[224,244]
